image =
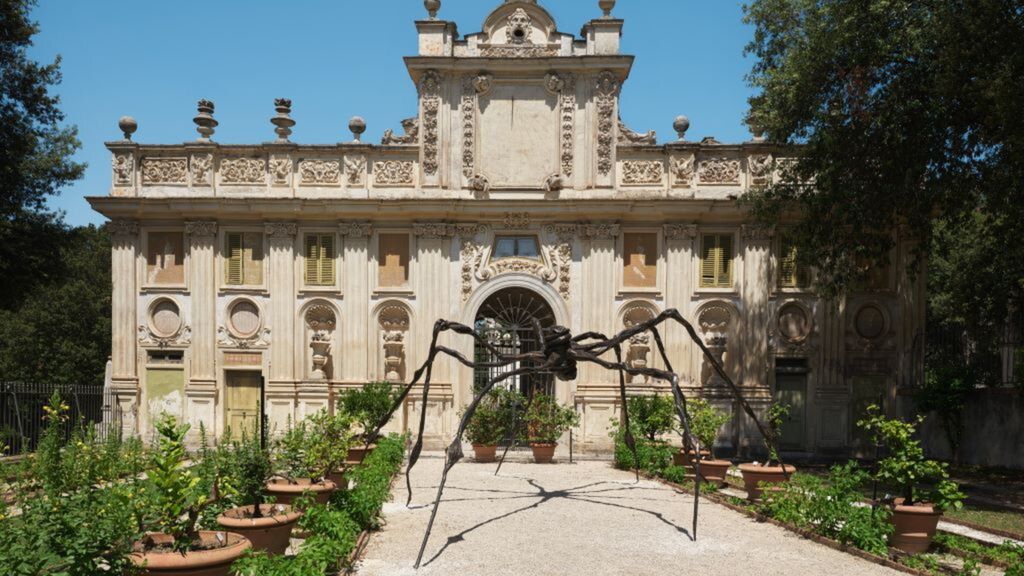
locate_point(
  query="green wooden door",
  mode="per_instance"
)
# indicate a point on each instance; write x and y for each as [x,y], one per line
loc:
[242,401]
[791,390]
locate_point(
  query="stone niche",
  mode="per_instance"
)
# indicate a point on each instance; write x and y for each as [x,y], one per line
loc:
[519,134]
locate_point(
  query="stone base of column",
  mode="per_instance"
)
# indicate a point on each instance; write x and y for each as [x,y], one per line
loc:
[124,407]
[201,411]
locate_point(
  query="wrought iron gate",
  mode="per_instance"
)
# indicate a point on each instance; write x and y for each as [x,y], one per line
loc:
[506,321]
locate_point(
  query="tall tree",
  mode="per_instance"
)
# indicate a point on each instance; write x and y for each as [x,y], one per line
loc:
[909,117]
[35,158]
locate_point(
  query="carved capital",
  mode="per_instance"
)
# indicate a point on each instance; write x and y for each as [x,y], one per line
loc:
[600,231]
[680,231]
[355,229]
[756,233]
[434,230]
[201,229]
[123,228]
[467,231]
[281,230]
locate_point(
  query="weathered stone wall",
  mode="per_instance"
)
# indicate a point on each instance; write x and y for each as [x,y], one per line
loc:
[994,430]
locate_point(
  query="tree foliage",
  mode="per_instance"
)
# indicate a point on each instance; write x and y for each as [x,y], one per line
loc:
[35,157]
[908,115]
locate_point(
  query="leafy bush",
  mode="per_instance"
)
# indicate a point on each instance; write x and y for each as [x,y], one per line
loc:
[546,420]
[246,469]
[489,424]
[676,474]
[705,421]
[314,447]
[827,507]
[651,416]
[906,467]
[369,405]
[653,457]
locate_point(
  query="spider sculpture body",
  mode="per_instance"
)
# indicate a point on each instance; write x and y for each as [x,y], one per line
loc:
[559,354]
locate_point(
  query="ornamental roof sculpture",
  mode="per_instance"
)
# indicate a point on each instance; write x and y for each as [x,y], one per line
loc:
[517,110]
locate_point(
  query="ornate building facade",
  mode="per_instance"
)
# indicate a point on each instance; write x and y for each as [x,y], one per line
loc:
[515,192]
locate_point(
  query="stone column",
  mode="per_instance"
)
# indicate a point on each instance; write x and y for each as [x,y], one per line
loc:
[599,292]
[679,246]
[201,391]
[753,347]
[124,382]
[280,387]
[355,278]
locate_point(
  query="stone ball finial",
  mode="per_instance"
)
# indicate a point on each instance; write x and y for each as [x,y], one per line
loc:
[607,6]
[128,126]
[357,125]
[681,125]
[432,7]
[205,122]
[283,121]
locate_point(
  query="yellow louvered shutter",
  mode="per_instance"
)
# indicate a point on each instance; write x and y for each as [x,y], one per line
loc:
[725,261]
[252,259]
[312,260]
[233,253]
[716,261]
[707,262]
[327,260]
[787,264]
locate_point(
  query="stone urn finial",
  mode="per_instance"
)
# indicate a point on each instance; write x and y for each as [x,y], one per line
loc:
[357,125]
[128,126]
[681,125]
[607,6]
[432,7]
[205,122]
[283,121]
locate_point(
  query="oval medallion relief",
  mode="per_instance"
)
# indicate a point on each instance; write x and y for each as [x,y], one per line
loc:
[794,323]
[870,322]
[165,318]
[244,318]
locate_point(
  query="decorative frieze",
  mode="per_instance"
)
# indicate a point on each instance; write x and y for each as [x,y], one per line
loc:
[432,231]
[123,228]
[564,86]
[600,231]
[680,232]
[393,173]
[640,172]
[754,233]
[516,220]
[355,229]
[320,172]
[124,169]
[470,96]
[181,339]
[281,230]
[243,171]
[682,170]
[201,166]
[261,339]
[281,170]
[761,167]
[607,92]
[719,171]
[201,229]
[430,94]
[156,171]
[560,255]
[512,51]
[355,167]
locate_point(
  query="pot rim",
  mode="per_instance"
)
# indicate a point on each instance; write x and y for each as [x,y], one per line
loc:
[920,508]
[543,444]
[235,548]
[303,485]
[289,516]
[475,446]
[759,469]
[717,463]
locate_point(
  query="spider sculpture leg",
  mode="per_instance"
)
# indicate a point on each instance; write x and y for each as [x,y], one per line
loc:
[454,452]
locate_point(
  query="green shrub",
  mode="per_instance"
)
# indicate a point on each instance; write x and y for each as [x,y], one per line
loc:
[651,416]
[369,405]
[546,420]
[489,424]
[705,421]
[676,474]
[653,457]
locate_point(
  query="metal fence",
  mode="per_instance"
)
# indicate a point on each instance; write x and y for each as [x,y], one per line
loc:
[997,362]
[21,412]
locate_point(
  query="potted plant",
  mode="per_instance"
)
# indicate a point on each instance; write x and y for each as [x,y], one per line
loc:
[705,422]
[304,458]
[177,497]
[249,468]
[756,474]
[369,406]
[546,421]
[923,485]
[487,427]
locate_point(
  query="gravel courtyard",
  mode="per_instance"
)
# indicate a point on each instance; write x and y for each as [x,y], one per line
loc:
[586,518]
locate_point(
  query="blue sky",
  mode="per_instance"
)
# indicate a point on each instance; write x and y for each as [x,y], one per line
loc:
[340,58]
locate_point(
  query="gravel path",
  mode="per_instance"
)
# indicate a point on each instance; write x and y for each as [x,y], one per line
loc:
[586,519]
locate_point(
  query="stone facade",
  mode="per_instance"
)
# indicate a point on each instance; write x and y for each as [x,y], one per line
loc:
[517,136]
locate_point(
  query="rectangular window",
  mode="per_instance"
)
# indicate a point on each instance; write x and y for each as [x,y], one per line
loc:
[716,261]
[320,255]
[516,246]
[165,258]
[791,273]
[243,259]
[640,259]
[392,260]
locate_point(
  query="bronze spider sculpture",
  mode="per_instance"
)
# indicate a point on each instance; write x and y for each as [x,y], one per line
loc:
[559,354]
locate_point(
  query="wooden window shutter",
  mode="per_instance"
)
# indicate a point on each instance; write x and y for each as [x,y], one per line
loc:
[327,255]
[707,261]
[725,256]
[787,264]
[312,259]
[233,253]
[252,260]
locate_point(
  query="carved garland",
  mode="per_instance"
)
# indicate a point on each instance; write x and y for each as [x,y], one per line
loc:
[473,88]
[164,171]
[607,89]
[643,172]
[261,339]
[719,171]
[320,172]
[430,92]
[242,171]
[564,86]
[393,172]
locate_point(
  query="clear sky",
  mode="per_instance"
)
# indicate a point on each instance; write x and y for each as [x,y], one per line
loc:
[339,58]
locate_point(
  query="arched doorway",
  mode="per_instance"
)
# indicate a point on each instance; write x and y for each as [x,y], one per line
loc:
[505,319]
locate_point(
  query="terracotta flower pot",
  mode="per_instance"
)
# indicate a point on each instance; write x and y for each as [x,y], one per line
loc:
[715,470]
[485,454]
[360,451]
[342,475]
[543,453]
[271,532]
[285,492]
[914,526]
[754,474]
[216,561]
[685,458]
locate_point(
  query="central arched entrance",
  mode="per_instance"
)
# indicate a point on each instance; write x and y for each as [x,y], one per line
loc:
[505,319]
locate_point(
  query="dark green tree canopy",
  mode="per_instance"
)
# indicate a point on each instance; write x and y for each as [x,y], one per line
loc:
[908,113]
[35,156]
